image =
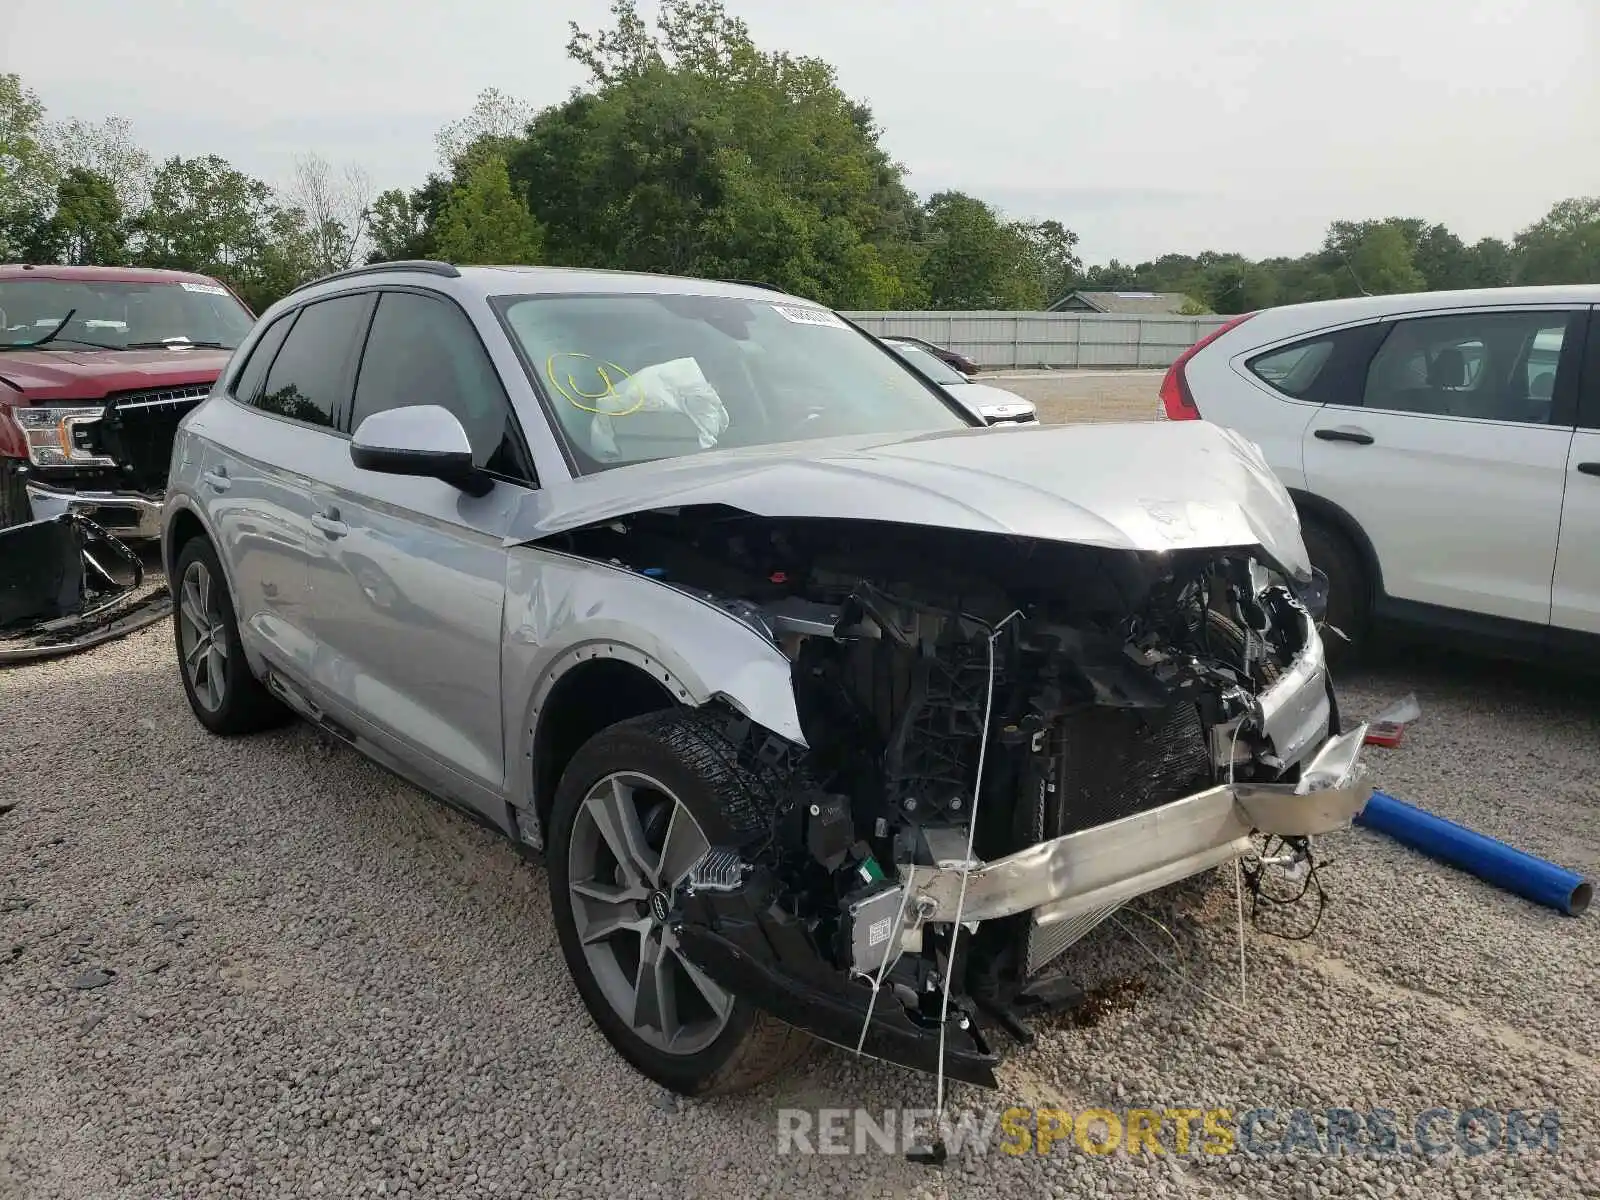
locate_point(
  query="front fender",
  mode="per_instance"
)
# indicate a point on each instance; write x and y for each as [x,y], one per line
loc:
[562,609]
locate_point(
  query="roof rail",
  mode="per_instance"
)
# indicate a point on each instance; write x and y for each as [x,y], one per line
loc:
[425,266]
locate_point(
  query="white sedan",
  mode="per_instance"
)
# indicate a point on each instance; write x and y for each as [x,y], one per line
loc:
[1443,449]
[994,405]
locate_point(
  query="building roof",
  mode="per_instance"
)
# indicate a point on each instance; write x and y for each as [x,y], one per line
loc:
[1139,303]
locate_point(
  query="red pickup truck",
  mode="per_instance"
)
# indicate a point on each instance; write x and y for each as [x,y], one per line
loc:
[97,367]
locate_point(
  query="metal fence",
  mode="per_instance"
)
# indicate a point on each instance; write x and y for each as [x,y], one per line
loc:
[1040,339]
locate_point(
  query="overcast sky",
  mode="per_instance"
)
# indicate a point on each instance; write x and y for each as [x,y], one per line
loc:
[1145,125]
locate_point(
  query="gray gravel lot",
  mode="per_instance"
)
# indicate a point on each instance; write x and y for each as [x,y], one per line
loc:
[315,981]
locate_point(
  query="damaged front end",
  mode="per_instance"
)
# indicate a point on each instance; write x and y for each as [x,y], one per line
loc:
[68,584]
[105,461]
[1003,734]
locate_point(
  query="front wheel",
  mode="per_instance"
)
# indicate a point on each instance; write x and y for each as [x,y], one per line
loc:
[639,804]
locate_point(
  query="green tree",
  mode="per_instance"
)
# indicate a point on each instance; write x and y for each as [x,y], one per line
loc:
[28,172]
[1373,257]
[1494,264]
[483,222]
[88,225]
[976,260]
[1563,246]
[206,216]
[108,150]
[694,151]
[1053,254]
[494,124]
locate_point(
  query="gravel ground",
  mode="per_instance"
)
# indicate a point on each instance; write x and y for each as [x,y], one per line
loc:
[315,981]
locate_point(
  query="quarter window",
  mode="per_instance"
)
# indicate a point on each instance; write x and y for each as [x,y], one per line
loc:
[425,351]
[1493,366]
[311,374]
[1293,370]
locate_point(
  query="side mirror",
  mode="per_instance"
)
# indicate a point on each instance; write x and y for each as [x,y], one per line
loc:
[419,439]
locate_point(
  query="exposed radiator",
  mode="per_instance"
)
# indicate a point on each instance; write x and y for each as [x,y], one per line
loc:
[1047,942]
[1113,763]
[138,428]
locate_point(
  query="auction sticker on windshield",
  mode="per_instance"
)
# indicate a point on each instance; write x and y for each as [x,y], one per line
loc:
[210,289]
[801,315]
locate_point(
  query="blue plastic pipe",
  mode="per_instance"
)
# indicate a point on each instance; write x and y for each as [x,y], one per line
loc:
[1490,860]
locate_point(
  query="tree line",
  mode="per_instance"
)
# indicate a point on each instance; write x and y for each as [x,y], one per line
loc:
[688,150]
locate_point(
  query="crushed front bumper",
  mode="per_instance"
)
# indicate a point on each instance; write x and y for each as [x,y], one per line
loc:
[130,515]
[1109,864]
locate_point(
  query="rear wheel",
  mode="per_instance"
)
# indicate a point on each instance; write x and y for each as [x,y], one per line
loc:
[223,693]
[639,804]
[1349,590]
[14,506]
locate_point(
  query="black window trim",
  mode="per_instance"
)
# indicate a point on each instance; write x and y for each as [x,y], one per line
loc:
[1563,400]
[518,435]
[1588,383]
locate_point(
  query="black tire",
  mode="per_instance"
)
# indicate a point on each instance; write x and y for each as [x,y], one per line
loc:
[1349,589]
[242,702]
[689,752]
[14,506]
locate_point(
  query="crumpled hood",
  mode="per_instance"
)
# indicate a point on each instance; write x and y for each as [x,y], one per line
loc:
[1148,486]
[45,376]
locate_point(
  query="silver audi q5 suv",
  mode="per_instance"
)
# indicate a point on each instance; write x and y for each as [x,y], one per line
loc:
[829,711]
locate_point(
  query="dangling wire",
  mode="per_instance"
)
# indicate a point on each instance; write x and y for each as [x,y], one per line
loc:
[966,867]
[1238,871]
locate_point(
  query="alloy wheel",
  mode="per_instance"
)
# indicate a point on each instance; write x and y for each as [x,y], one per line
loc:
[203,637]
[632,842]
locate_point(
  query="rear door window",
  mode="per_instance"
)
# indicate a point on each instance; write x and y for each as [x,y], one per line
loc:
[309,380]
[1492,366]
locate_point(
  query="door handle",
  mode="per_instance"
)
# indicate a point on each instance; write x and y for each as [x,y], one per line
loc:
[330,524]
[1359,436]
[1589,468]
[217,480]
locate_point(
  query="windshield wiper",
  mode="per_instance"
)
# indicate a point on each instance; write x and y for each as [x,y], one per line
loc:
[49,337]
[178,344]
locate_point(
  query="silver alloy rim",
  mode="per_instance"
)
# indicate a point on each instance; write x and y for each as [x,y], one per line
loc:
[632,842]
[204,637]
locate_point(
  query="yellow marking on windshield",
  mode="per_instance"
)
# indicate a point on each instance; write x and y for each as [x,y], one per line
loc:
[575,395]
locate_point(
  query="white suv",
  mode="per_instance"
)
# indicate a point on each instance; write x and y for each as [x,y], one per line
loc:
[1443,449]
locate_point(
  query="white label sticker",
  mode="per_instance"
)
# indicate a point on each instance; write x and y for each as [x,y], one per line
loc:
[803,315]
[879,931]
[210,289]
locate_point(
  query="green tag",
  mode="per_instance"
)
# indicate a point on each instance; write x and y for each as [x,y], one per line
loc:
[870,870]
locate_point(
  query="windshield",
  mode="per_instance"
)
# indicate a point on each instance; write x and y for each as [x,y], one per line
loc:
[639,377]
[119,315]
[931,365]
